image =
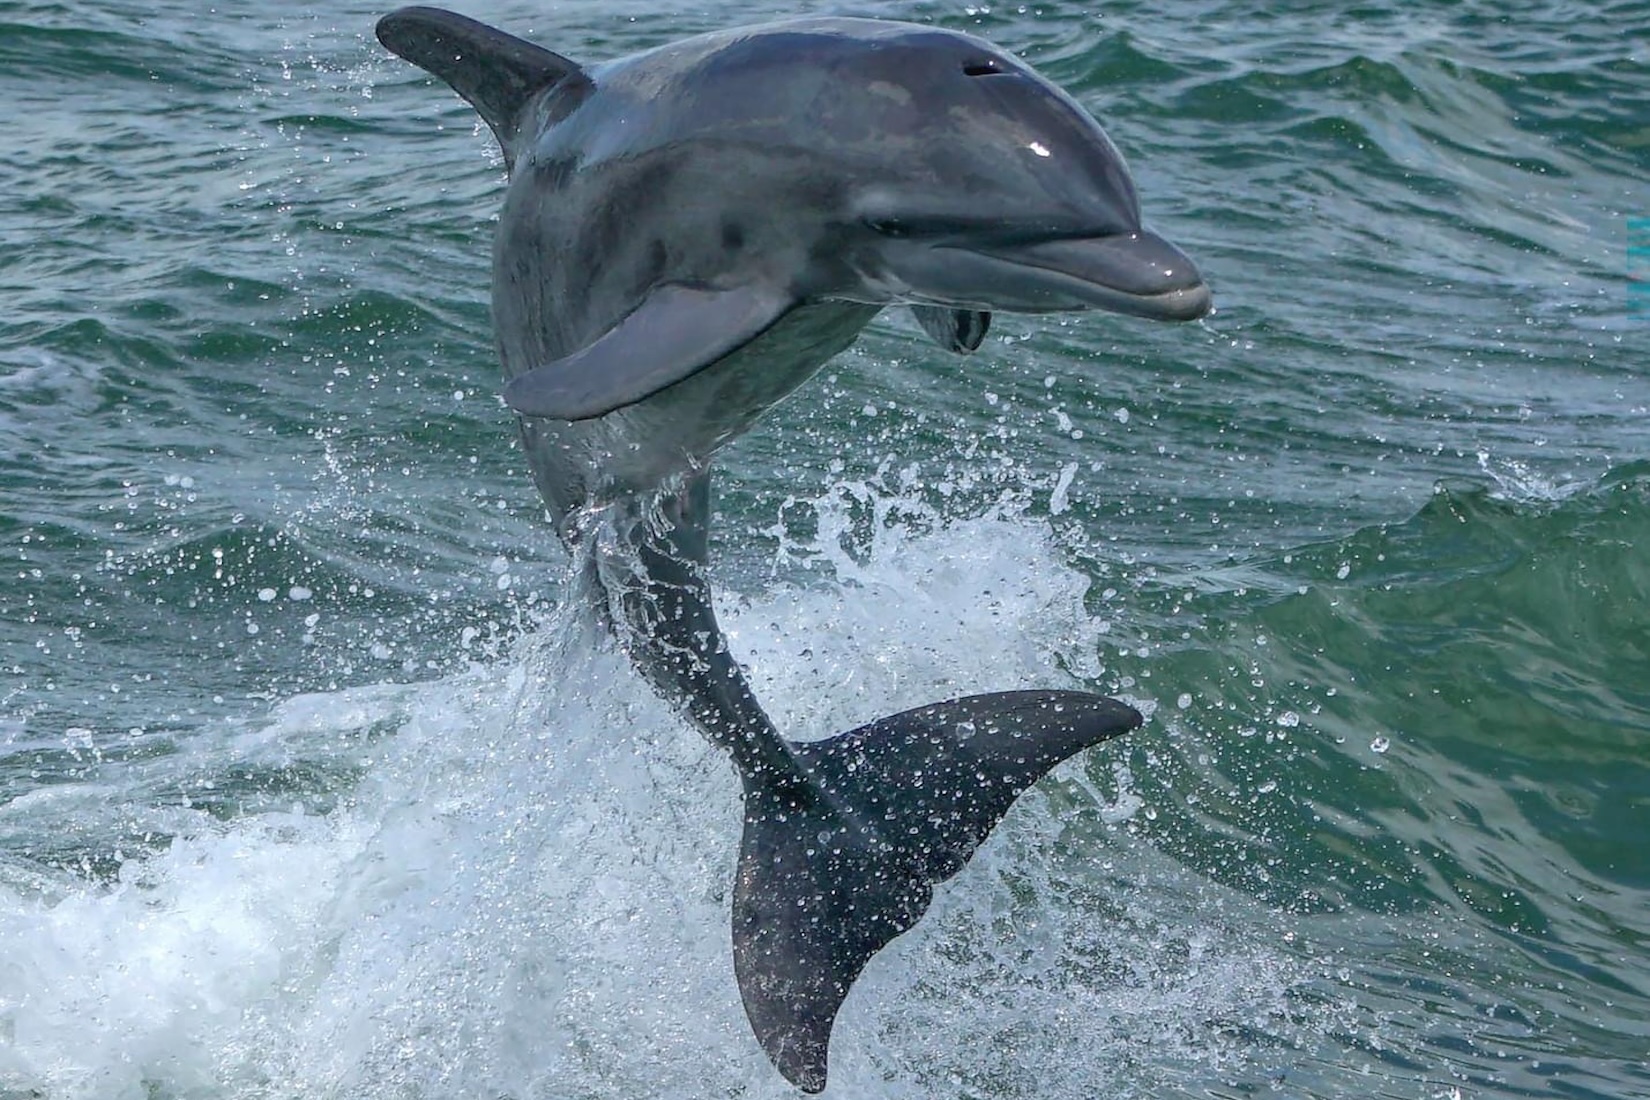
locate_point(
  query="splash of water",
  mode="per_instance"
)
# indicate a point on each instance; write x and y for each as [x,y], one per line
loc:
[522,890]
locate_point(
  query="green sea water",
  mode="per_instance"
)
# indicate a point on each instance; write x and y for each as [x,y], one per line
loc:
[308,788]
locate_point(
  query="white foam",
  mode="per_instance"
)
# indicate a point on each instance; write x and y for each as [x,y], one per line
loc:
[1519,482]
[526,893]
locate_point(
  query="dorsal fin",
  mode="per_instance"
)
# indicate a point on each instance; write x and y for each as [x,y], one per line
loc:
[496,72]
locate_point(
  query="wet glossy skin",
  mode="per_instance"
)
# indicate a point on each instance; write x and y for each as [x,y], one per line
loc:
[852,163]
[689,234]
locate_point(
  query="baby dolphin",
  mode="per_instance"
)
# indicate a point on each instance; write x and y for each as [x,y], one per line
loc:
[688,235]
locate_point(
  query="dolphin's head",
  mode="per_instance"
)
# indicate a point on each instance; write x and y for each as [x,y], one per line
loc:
[987,187]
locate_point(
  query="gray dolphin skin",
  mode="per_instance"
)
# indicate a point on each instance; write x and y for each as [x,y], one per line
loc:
[688,234]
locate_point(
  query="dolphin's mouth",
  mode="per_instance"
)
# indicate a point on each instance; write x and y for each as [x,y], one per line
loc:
[1136,273]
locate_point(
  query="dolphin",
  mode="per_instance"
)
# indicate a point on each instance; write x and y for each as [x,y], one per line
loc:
[688,235]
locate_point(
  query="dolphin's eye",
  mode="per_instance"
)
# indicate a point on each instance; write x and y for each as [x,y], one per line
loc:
[983,67]
[888,227]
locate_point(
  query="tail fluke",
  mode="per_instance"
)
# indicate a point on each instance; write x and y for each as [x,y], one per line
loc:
[832,869]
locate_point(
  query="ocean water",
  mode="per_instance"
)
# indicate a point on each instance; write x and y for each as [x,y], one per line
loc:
[309,788]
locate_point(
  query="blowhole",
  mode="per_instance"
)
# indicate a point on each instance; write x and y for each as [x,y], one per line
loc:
[986,67]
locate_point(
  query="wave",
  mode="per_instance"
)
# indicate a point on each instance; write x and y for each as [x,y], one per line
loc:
[515,878]
[1426,735]
[1349,802]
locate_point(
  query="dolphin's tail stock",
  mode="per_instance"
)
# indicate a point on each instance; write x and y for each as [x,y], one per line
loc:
[845,839]
[833,869]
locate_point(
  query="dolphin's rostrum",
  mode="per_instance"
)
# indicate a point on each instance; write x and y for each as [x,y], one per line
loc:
[688,235]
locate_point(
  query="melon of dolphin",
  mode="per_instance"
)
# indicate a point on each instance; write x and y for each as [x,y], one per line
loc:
[687,236]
